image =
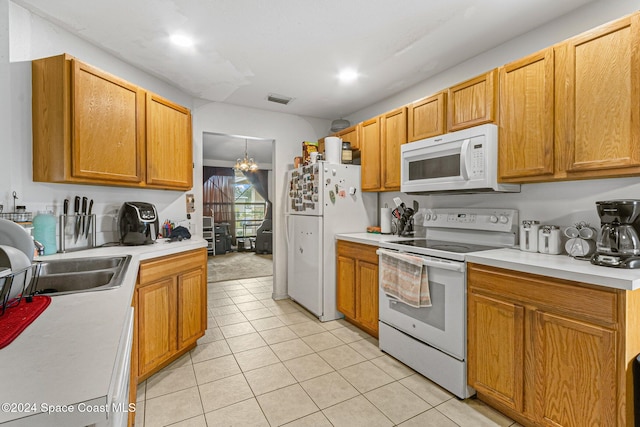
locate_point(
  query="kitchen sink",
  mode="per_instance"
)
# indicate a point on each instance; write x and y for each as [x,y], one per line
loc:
[67,276]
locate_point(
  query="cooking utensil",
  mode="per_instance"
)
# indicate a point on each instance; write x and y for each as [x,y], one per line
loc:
[84,214]
[65,209]
[89,218]
[76,211]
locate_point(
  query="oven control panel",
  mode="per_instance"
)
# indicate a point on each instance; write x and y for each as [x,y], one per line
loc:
[503,220]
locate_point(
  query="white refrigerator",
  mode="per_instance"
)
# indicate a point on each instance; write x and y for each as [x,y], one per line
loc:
[323,199]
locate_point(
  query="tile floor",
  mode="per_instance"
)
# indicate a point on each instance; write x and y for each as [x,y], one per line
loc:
[270,363]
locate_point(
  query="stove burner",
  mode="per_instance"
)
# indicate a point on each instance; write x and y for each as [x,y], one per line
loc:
[451,248]
[440,245]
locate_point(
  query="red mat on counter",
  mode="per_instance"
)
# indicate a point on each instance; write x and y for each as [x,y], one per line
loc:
[16,319]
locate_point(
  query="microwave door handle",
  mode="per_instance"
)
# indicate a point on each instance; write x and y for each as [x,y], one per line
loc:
[464,163]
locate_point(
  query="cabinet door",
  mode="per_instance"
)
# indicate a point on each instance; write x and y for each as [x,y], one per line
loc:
[350,134]
[496,349]
[473,102]
[367,295]
[192,307]
[156,324]
[526,118]
[575,374]
[346,286]
[427,117]
[598,100]
[394,134]
[107,127]
[169,145]
[370,154]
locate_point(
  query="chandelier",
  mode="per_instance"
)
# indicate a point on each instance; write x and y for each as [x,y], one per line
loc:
[246,164]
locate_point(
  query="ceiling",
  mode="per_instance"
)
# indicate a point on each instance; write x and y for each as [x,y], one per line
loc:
[228,148]
[247,49]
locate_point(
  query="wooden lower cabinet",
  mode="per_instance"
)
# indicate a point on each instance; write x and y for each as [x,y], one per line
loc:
[170,308]
[357,284]
[551,352]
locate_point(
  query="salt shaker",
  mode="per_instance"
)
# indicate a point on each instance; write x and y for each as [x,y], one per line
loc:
[549,241]
[529,235]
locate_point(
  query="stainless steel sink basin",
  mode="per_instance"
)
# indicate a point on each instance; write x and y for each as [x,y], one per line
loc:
[66,276]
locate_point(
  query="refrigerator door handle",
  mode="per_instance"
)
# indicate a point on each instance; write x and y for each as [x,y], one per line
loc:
[286,229]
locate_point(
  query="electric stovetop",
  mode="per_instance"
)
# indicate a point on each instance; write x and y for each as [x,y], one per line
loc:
[440,248]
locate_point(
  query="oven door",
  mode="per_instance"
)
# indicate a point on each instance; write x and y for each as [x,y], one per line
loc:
[443,325]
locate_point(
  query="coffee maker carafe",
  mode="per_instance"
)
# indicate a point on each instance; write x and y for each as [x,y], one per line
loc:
[618,243]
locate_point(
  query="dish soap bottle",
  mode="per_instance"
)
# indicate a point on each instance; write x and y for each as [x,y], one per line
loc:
[44,231]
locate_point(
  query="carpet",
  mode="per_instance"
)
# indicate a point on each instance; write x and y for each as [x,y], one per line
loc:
[239,265]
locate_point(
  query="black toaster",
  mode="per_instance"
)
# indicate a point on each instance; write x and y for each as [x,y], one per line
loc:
[138,223]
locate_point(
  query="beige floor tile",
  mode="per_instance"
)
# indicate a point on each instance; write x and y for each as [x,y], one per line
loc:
[244,298]
[256,358]
[393,367]
[251,305]
[224,310]
[278,335]
[184,360]
[139,418]
[430,418]
[248,280]
[210,335]
[252,285]
[349,335]
[307,328]
[293,318]
[260,296]
[230,319]
[290,349]
[472,412]
[286,404]
[267,323]
[246,342]
[397,402]
[237,329]
[426,390]
[334,324]
[198,421]
[368,348]
[231,286]
[241,414]
[323,341]
[210,351]
[260,313]
[329,389]
[215,369]
[141,391]
[356,412]
[219,302]
[170,380]
[173,407]
[269,378]
[307,367]
[317,419]
[341,357]
[224,392]
[365,376]
[281,310]
[238,292]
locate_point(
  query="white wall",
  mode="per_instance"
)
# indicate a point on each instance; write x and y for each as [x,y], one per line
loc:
[288,132]
[562,203]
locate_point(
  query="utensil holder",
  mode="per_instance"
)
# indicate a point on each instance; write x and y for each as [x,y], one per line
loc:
[70,240]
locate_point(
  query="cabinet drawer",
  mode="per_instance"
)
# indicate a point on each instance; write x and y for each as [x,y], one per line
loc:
[153,270]
[358,250]
[555,295]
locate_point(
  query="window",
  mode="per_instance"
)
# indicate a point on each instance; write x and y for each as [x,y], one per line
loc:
[249,207]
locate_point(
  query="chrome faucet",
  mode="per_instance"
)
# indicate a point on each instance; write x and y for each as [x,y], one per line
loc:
[39,247]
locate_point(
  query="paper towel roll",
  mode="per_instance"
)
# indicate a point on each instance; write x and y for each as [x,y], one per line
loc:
[385,220]
[332,149]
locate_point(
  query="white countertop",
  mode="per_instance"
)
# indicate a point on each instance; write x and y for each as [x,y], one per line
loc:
[67,355]
[556,266]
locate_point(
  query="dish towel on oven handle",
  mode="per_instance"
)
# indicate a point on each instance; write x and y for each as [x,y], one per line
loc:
[404,277]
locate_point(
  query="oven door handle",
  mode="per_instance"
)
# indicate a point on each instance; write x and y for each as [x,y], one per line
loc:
[436,262]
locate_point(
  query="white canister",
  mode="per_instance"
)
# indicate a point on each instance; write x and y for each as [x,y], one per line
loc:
[529,235]
[385,220]
[333,149]
[549,240]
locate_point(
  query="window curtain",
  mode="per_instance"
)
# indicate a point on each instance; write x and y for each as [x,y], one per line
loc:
[260,181]
[218,195]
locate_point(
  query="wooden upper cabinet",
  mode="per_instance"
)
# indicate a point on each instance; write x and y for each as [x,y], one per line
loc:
[370,155]
[526,148]
[473,102]
[598,100]
[169,146]
[350,134]
[394,134]
[427,117]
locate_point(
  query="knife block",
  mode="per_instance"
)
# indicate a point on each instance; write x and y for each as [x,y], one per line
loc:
[72,238]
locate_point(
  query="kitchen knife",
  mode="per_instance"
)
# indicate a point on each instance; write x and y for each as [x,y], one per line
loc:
[89,218]
[76,211]
[84,214]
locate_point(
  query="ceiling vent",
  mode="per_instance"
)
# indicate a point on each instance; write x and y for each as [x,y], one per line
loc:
[339,124]
[279,99]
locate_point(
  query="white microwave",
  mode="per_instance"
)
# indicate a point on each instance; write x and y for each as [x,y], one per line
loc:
[464,161]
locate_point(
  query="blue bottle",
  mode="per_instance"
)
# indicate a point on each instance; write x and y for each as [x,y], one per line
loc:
[44,231]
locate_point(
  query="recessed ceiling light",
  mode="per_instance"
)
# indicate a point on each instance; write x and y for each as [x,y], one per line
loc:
[348,75]
[181,40]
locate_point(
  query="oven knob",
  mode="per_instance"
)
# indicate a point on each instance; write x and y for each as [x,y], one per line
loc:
[493,219]
[427,216]
[504,219]
[434,217]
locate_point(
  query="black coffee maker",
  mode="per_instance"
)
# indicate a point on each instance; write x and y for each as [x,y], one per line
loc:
[618,243]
